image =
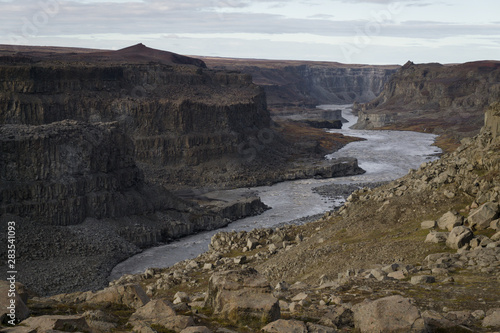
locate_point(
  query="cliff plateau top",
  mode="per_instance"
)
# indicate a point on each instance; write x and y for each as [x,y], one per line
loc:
[138,53]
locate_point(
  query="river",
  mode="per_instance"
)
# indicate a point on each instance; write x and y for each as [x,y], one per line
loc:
[384,155]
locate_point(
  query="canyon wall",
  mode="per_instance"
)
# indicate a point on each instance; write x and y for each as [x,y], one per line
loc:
[174,114]
[307,83]
[441,99]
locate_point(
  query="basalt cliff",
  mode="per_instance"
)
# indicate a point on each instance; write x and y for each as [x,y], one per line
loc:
[448,100]
[310,83]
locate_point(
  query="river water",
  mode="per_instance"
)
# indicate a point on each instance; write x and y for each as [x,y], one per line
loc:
[384,155]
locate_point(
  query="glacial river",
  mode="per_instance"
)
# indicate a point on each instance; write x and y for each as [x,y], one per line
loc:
[384,155]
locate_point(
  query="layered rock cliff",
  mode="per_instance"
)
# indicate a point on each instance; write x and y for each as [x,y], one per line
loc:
[442,99]
[307,83]
[64,172]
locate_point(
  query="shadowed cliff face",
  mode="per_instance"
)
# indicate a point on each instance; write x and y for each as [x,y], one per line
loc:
[174,114]
[305,83]
[447,100]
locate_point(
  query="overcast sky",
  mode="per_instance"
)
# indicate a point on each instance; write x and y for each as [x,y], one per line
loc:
[348,31]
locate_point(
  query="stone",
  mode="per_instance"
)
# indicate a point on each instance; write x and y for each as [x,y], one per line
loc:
[391,268]
[428,224]
[181,297]
[154,310]
[315,328]
[388,314]
[131,295]
[495,237]
[459,237]
[449,220]
[241,296]
[58,323]
[437,322]
[492,319]
[99,321]
[161,312]
[481,218]
[419,279]
[192,264]
[240,260]
[299,297]
[295,307]
[495,224]
[436,237]
[282,286]
[196,329]
[339,316]
[398,275]
[252,243]
[285,326]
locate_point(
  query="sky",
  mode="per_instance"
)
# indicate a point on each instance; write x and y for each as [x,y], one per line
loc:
[346,31]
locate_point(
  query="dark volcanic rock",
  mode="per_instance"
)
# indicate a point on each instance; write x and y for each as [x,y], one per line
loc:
[310,83]
[435,98]
[66,171]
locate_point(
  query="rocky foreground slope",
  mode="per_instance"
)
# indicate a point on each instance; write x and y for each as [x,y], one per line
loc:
[419,254]
[448,100]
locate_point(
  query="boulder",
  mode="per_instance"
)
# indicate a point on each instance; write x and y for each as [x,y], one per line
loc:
[492,319]
[285,326]
[481,218]
[449,220]
[428,224]
[159,312]
[419,279]
[154,310]
[196,329]
[315,328]
[181,297]
[131,295]
[340,316]
[398,275]
[436,237]
[436,322]
[389,314]
[76,323]
[495,237]
[495,224]
[19,308]
[242,296]
[252,243]
[458,237]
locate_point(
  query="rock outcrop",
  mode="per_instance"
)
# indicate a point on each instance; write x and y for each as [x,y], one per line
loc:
[441,99]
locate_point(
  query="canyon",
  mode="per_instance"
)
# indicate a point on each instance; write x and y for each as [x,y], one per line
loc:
[105,153]
[290,84]
[448,100]
[129,142]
